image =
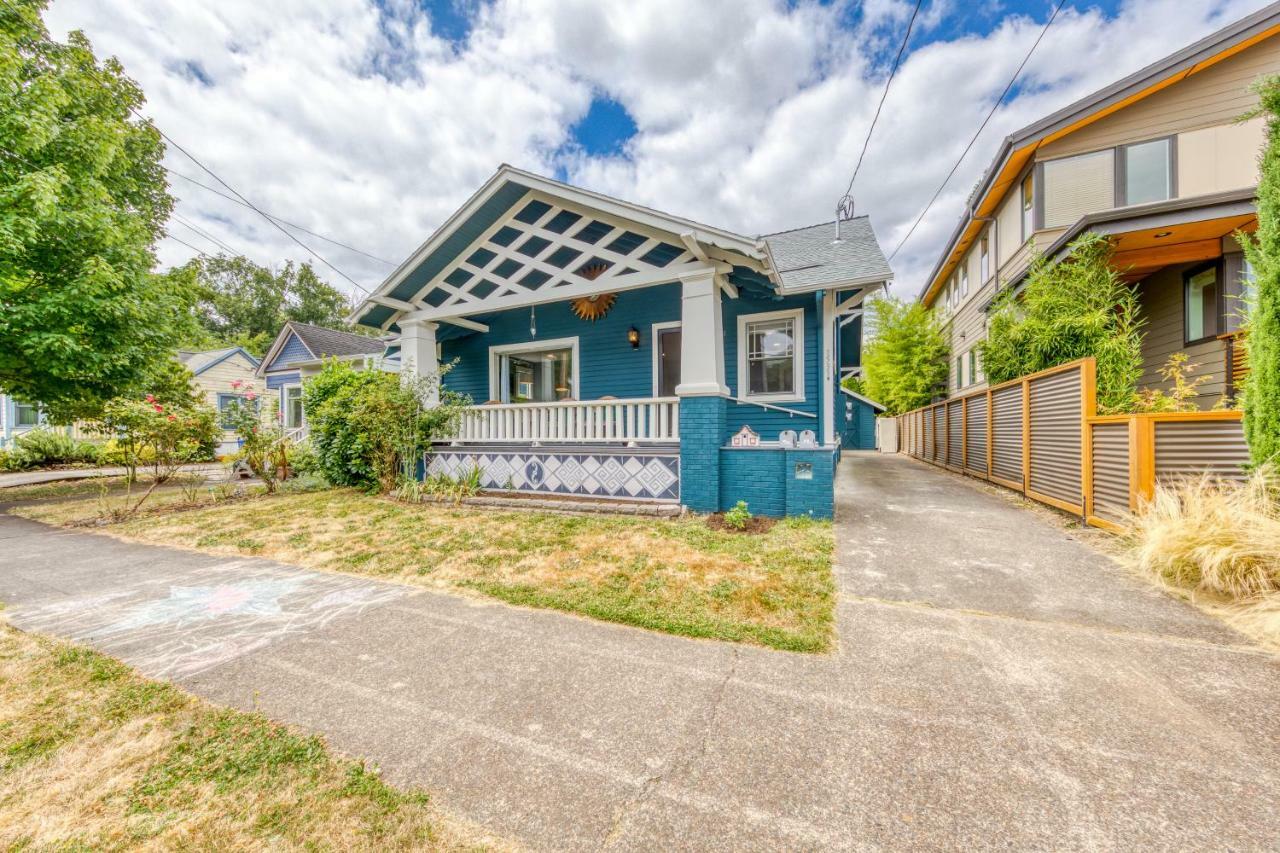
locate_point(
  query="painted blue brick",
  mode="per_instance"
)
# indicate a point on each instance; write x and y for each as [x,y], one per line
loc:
[753,475]
[701,428]
[815,497]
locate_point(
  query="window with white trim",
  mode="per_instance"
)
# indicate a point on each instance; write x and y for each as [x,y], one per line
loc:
[25,414]
[292,406]
[984,259]
[771,355]
[964,278]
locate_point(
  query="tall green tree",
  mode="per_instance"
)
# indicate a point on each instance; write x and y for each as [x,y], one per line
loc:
[82,201]
[906,362]
[1262,386]
[241,302]
[1070,309]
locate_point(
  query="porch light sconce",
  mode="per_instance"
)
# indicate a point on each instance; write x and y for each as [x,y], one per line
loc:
[633,337]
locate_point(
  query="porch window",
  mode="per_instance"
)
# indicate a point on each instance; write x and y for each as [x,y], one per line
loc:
[770,355]
[292,406]
[1202,303]
[536,372]
[25,415]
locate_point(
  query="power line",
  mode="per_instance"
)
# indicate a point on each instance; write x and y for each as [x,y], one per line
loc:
[183,242]
[981,127]
[205,234]
[218,192]
[250,204]
[892,72]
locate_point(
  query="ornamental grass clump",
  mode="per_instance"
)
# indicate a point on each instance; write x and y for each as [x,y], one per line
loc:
[1209,536]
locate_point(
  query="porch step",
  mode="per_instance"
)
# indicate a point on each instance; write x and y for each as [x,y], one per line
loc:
[575,506]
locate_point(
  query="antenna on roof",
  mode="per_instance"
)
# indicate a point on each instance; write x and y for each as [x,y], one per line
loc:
[844,211]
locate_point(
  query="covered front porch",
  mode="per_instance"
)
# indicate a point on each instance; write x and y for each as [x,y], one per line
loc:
[607,350]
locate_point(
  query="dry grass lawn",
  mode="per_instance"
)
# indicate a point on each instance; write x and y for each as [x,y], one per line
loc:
[674,575]
[95,757]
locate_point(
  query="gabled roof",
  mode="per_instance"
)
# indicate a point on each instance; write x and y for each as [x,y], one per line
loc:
[879,407]
[323,343]
[811,258]
[1018,148]
[198,361]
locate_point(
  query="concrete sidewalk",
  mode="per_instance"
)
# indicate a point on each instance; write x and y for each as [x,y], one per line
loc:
[993,687]
[57,475]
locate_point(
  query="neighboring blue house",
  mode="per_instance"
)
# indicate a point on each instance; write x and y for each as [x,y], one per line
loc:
[300,350]
[17,418]
[615,351]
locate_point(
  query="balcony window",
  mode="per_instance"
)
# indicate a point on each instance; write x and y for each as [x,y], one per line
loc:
[1202,304]
[1147,170]
[1028,207]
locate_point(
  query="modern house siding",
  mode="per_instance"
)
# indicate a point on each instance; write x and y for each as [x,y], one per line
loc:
[1161,305]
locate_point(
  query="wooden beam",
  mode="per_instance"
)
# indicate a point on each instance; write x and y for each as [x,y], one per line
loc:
[466,324]
[1163,256]
[392,302]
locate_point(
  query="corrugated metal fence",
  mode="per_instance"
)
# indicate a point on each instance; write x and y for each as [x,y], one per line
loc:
[1040,435]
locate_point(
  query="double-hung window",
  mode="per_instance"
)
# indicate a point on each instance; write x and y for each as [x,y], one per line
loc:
[225,401]
[292,406]
[771,355]
[26,415]
[964,278]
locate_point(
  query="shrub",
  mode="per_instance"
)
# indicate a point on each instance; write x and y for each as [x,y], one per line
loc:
[738,517]
[370,428]
[263,446]
[43,447]
[1262,385]
[906,362]
[1211,536]
[1070,309]
[1181,397]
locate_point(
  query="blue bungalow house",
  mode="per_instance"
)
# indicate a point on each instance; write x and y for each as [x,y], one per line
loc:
[615,351]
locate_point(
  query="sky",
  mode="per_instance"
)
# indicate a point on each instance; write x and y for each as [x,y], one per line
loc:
[370,121]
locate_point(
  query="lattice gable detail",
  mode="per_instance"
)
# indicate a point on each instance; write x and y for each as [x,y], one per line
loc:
[549,249]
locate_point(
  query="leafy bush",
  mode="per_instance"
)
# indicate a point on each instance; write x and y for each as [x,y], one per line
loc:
[303,461]
[147,432]
[1070,309]
[369,428]
[738,517]
[263,446]
[45,447]
[1181,397]
[1211,536]
[1262,386]
[905,364]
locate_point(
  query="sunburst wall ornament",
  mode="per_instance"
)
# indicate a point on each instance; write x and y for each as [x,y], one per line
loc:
[593,307]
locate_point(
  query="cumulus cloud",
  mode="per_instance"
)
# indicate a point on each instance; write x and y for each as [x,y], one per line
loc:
[365,121]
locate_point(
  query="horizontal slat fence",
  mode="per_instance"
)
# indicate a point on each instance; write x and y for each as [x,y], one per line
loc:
[1040,435]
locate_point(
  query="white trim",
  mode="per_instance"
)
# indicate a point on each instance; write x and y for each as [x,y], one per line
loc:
[495,366]
[284,406]
[753,250]
[744,382]
[827,370]
[653,338]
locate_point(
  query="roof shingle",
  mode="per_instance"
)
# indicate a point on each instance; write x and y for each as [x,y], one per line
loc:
[810,258]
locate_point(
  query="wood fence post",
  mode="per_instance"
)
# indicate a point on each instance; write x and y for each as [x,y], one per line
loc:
[1026,435]
[1142,483]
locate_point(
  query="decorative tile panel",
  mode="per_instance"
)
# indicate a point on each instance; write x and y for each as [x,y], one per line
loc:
[623,473]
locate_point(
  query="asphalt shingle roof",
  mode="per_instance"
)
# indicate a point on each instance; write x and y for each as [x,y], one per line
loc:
[197,360]
[326,342]
[810,258]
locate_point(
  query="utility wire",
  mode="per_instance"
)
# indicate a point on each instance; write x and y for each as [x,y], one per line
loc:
[981,127]
[892,72]
[183,242]
[205,234]
[230,198]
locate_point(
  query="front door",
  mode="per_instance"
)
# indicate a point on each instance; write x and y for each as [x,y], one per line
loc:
[668,344]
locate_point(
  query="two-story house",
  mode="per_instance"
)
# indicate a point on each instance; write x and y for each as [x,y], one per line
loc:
[1162,162]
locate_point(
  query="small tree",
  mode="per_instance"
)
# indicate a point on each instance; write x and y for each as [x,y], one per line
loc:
[906,362]
[369,428]
[147,432]
[263,445]
[1262,386]
[1070,309]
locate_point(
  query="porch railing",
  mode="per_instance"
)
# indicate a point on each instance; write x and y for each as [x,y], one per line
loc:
[641,420]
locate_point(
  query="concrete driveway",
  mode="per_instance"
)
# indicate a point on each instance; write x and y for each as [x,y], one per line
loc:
[997,683]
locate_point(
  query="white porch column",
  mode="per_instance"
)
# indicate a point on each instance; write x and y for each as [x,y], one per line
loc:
[418,352]
[701,337]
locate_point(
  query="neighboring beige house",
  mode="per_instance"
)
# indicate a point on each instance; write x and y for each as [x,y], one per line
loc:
[1160,161]
[222,376]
